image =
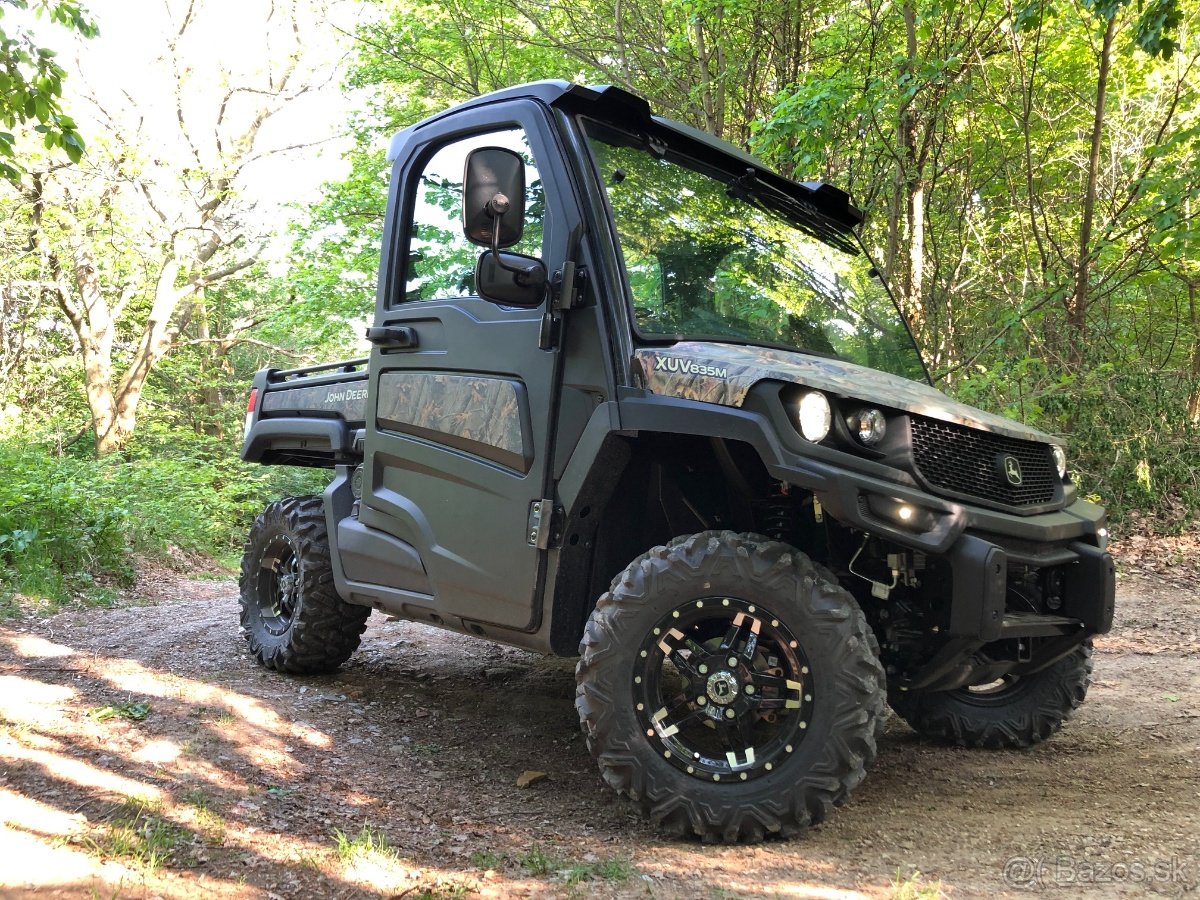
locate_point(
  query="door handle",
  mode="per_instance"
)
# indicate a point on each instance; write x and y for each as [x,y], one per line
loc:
[392,337]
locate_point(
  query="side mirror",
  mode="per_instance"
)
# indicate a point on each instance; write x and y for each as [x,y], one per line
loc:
[510,279]
[494,197]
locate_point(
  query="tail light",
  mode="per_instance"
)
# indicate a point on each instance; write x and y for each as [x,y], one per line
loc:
[250,406]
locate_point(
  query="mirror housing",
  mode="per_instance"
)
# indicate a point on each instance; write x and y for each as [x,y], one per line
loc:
[493,210]
[511,279]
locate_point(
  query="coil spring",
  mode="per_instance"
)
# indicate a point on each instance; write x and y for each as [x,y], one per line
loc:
[776,517]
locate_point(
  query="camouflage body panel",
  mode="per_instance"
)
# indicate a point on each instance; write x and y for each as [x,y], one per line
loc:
[347,399]
[724,374]
[484,416]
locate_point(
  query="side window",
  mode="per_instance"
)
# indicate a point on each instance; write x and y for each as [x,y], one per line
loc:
[441,261]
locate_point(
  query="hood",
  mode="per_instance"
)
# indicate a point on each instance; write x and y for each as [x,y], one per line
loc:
[724,373]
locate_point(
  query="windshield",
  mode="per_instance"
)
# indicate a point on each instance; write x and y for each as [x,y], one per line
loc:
[706,260]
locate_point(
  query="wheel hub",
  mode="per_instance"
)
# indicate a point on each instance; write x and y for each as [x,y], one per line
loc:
[287,587]
[279,585]
[722,688]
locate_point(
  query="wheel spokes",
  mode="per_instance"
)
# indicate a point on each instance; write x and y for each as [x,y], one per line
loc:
[678,713]
[776,692]
[744,631]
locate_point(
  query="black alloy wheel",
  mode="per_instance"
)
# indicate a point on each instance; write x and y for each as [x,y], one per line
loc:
[730,687]
[723,688]
[291,614]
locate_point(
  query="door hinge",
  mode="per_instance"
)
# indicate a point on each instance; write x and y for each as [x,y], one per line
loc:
[545,524]
[567,286]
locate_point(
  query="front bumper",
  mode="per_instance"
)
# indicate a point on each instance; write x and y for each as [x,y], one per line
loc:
[980,547]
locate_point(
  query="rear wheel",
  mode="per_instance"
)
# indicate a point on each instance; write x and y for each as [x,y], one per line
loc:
[291,614]
[1011,712]
[730,687]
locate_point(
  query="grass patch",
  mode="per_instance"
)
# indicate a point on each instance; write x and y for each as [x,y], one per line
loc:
[369,842]
[614,870]
[913,887]
[452,890]
[486,859]
[135,831]
[207,819]
[538,862]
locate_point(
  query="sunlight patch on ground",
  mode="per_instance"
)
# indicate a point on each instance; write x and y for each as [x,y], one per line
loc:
[63,768]
[157,753]
[33,816]
[25,700]
[32,647]
[29,862]
[815,892]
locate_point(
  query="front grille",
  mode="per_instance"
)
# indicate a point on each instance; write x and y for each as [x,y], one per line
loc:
[972,463]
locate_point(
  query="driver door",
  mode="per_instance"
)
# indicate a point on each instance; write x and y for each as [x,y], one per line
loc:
[459,437]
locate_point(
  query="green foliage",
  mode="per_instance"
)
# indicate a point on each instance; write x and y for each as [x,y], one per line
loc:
[31,82]
[73,524]
[134,711]
[614,870]
[1131,447]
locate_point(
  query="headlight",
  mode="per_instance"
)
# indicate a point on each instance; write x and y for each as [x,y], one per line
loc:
[1060,460]
[868,425]
[813,416]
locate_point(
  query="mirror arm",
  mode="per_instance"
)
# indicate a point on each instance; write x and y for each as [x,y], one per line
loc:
[526,276]
[496,208]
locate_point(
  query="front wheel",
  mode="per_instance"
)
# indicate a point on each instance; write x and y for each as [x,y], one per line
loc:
[291,615]
[1012,712]
[730,687]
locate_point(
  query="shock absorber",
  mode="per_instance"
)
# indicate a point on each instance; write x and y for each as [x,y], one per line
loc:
[789,515]
[775,517]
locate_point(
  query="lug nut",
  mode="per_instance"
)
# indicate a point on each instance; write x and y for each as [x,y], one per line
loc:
[729,713]
[733,661]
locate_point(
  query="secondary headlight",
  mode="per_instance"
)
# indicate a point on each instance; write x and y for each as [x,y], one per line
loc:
[1060,460]
[868,425]
[813,416]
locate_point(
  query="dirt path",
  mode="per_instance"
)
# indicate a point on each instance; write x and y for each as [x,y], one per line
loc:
[143,754]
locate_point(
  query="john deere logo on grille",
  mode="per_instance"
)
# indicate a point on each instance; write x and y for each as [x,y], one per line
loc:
[1012,470]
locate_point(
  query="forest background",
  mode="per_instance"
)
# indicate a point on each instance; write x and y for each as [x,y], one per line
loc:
[175,214]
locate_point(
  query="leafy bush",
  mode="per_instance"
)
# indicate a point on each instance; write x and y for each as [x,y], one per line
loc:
[1130,443]
[68,524]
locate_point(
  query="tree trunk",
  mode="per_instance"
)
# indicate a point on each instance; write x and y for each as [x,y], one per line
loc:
[1077,306]
[913,185]
[1193,403]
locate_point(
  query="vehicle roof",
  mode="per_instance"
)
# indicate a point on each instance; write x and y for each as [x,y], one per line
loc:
[624,109]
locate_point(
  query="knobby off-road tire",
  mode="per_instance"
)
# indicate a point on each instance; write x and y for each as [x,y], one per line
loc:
[291,614]
[1016,712]
[715,749]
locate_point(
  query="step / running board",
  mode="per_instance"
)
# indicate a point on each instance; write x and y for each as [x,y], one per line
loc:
[1022,625]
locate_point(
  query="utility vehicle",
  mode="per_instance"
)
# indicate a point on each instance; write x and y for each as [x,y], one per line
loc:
[637,398]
